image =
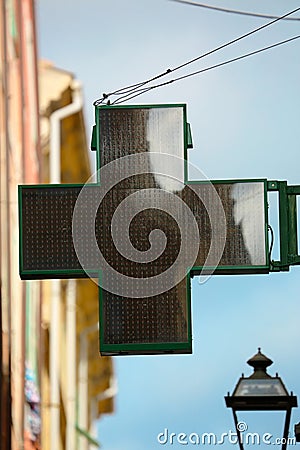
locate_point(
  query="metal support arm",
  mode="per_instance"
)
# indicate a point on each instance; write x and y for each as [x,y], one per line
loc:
[287,225]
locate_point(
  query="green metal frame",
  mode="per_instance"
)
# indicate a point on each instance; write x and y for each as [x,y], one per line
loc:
[145,348]
[288,242]
[288,251]
[288,222]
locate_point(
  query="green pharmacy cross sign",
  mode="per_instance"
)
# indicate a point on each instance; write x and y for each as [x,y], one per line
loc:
[143,230]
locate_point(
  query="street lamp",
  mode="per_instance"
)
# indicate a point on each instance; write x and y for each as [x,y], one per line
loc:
[261,392]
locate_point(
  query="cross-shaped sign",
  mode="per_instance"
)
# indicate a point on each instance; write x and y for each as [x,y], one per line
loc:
[143,230]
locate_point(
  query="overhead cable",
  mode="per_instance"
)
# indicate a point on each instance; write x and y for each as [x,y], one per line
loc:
[233,11]
[141,91]
[131,89]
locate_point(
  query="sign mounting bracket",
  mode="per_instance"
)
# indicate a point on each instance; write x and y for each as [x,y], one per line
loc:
[288,225]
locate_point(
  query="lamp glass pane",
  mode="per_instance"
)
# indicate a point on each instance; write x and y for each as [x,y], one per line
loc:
[257,387]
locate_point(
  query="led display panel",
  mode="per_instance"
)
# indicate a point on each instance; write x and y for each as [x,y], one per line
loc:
[46,239]
[159,324]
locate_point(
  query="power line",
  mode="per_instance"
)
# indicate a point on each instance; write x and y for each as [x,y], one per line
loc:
[126,91]
[141,91]
[237,39]
[233,11]
[255,52]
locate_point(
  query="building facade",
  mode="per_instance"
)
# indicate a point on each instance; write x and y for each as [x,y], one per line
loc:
[53,382]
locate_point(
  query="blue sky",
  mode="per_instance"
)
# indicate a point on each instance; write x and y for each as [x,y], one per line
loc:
[245,124]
